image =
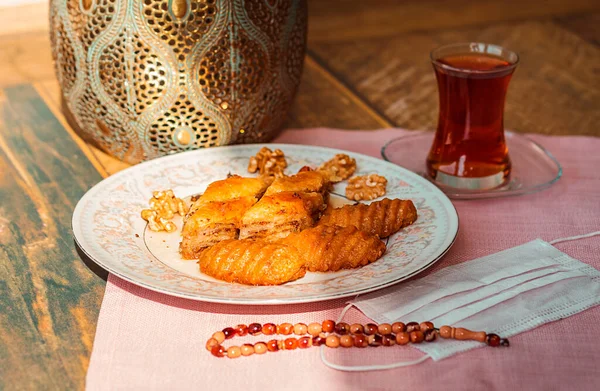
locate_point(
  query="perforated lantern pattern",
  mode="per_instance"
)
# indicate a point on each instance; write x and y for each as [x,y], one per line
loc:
[145,78]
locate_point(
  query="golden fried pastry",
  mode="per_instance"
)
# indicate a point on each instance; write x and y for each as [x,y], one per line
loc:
[302,182]
[211,223]
[217,214]
[234,187]
[331,248]
[381,218]
[277,215]
[252,262]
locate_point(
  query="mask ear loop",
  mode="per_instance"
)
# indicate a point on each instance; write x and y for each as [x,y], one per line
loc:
[559,240]
[363,368]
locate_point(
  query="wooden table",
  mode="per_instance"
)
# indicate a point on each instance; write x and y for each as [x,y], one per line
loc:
[367,67]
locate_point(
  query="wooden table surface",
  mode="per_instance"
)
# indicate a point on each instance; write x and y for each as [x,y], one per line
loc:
[367,68]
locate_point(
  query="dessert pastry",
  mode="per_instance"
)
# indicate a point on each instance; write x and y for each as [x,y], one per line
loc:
[302,182]
[277,215]
[217,214]
[290,204]
[331,248]
[252,262]
[382,218]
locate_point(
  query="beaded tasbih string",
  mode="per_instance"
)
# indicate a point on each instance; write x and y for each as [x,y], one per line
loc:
[341,334]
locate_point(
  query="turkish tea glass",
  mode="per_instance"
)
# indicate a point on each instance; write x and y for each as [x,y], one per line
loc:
[469,149]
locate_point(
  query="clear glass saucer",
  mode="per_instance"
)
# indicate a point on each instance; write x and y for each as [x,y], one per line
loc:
[533,167]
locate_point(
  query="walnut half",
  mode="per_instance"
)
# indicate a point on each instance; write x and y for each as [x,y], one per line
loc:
[339,168]
[163,206]
[157,223]
[366,187]
[267,162]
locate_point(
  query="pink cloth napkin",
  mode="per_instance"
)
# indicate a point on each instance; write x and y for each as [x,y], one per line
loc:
[147,340]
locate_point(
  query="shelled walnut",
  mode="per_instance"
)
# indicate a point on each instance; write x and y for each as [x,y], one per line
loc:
[267,162]
[366,187]
[157,223]
[163,207]
[339,168]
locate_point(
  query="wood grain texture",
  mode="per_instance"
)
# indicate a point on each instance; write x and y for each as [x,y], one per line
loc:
[25,58]
[322,101]
[24,18]
[587,26]
[49,300]
[346,20]
[555,90]
[106,165]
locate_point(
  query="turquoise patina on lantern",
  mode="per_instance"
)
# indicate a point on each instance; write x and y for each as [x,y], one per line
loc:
[145,78]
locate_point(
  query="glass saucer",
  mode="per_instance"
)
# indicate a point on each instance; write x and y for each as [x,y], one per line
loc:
[533,167]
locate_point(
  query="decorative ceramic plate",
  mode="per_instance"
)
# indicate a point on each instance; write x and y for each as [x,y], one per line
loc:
[108,228]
